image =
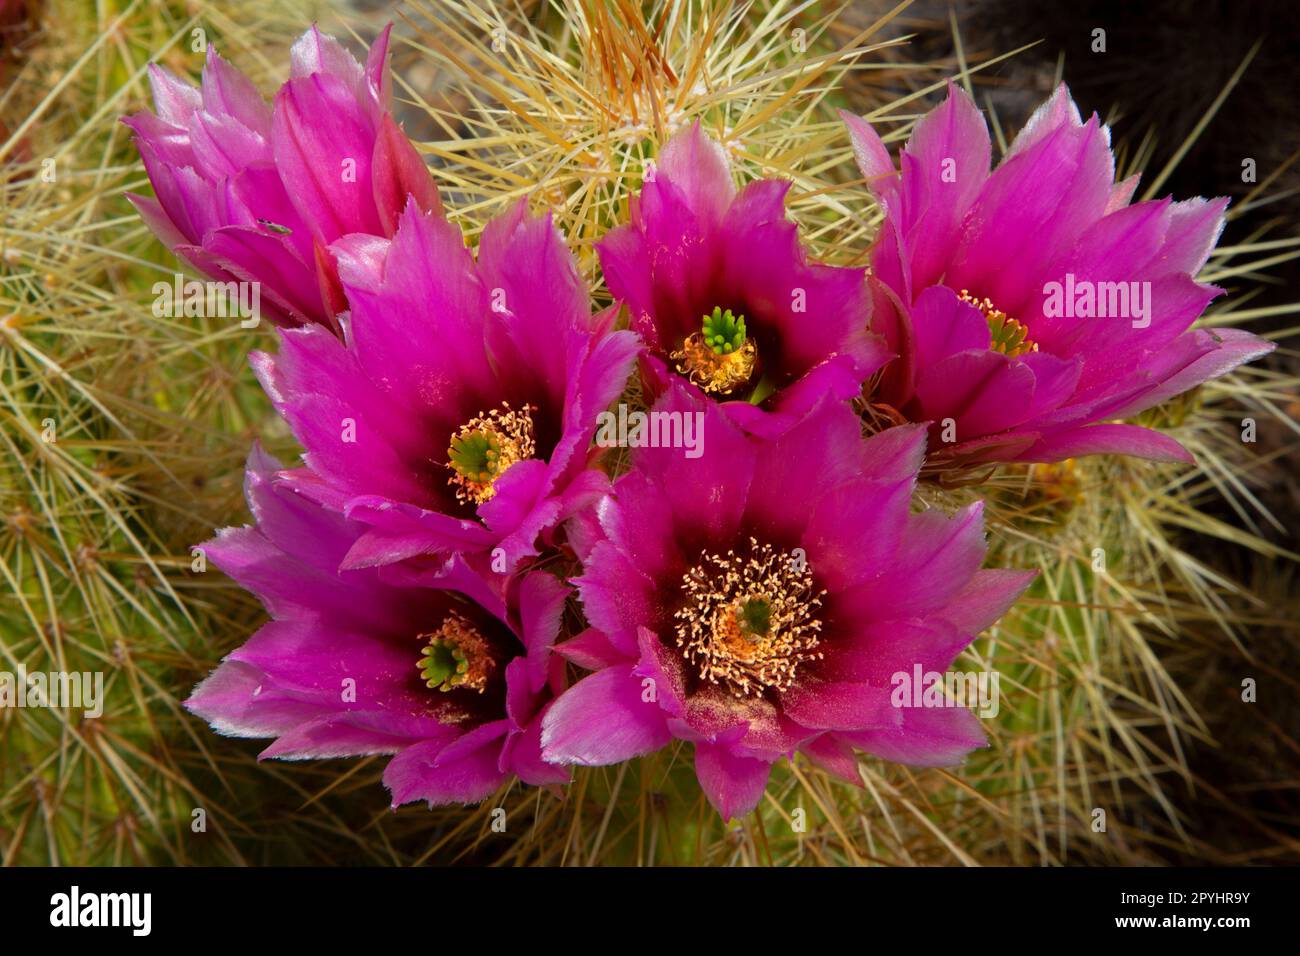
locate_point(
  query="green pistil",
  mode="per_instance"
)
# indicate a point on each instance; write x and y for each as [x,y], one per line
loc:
[1007,335]
[724,332]
[755,617]
[476,455]
[443,664]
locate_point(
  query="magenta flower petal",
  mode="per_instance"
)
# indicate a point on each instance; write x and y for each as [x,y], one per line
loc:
[986,598]
[251,255]
[427,771]
[1058,111]
[698,166]
[346,735]
[879,649]
[316,52]
[835,705]
[398,532]
[1131,440]
[156,218]
[709,498]
[835,757]
[946,326]
[601,720]
[230,701]
[947,165]
[936,556]
[974,391]
[590,650]
[926,737]
[1208,353]
[225,92]
[1194,227]
[830,453]
[1032,208]
[523,754]
[175,100]
[733,784]
[399,174]
[541,605]
[858,527]
[323,147]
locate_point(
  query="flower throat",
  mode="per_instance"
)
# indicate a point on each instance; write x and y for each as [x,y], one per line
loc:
[719,358]
[456,656]
[1006,335]
[749,622]
[484,447]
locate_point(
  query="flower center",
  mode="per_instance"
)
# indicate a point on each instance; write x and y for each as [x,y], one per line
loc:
[456,655]
[748,622]
[720,357]
[1008,336]
[486,446]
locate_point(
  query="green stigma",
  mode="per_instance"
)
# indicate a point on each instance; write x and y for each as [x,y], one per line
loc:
[724,332]
[456,655]
[485,446]
[476,455]
[1008,336]
[441,663]
[755,617]
[719,358]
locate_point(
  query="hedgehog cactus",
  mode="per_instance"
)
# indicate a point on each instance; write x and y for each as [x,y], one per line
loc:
[691,174]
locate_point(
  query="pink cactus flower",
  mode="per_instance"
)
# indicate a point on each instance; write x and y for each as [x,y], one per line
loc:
[723,294]
[250,193]
[453,683]
[1033,305]
[761,599]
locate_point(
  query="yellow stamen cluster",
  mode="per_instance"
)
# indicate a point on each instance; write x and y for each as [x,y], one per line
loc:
[456,656]
[749,622]
[485,446]
[1008,336]
[721,356]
